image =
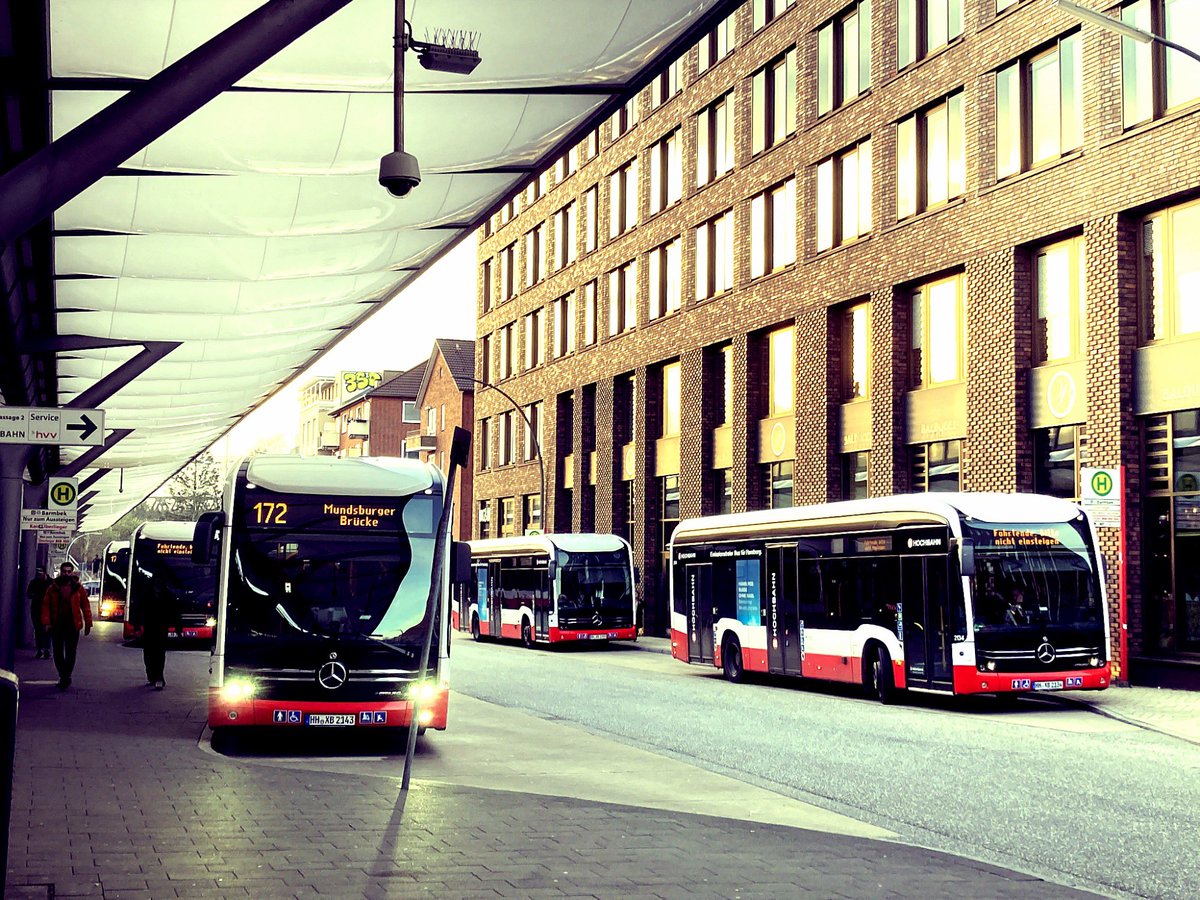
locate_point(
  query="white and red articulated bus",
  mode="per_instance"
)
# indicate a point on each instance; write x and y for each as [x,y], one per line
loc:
[944,592]
[160,559]
[549,589]
[326,569]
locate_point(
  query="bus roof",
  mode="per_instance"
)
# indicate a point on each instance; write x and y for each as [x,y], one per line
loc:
[113,546]
[889,511]
[546,543]
[367,476]
[167,531]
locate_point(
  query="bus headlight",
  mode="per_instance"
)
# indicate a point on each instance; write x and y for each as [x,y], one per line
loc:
[210,622]
[237,689]
[422,691]
[425,717]
[1094,661]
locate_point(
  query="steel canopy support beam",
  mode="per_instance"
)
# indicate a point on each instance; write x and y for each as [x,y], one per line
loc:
[41,184]
[152,352]
[99,473]
[75,466]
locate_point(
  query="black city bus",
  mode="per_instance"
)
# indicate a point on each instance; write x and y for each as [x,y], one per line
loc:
[160,557]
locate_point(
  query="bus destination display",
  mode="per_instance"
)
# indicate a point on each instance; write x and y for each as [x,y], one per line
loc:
[1050,536]
[170,548]
[321,513]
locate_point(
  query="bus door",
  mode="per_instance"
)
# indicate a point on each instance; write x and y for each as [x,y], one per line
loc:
[783,625]
[543,604]
[927,621]
[494,601]
[698,584]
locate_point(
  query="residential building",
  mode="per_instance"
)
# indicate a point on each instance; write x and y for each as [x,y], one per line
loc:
[318,432]
[379,417]
[446,400]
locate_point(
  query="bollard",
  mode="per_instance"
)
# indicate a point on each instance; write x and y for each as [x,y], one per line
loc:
[9,694]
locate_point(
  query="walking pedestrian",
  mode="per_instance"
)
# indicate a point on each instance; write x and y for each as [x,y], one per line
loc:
[66,609]
[36,592]
[161,614]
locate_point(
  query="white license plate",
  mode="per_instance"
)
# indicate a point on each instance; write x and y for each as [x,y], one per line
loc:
[1047,685]
[330,719]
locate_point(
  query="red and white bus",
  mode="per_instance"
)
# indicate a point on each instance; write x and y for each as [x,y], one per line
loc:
[114,574]
[945,592]
[326,567]
[160,556]
[550,588]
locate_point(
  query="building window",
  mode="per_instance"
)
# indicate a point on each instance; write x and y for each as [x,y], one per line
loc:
[485,444]
[508,268]
[936,328]
[773,229]
[485,516]
[485,359]
[765,11]
[442,418]
[778,478]
[508,211]
[930,157]
[1039,107]
[485,278]
[666,172]
[506,350]
[714,140]
[590,214]
[666,84]
[622,298]
[670,399]
[590,320]
[536,189]
[714,256]
[1058,454]
[430,420]
[925,25]
[508,516]
[726,411]
[1154,77]
[844,196]
[535,347]
[535,254]
[1059,323]
[1170,272]
[722,492]
[715,45]
[668,517]
[937,467]
[665,274]
[622,196]
[568,164]
[781,367]
[854,475]
[564,325]
[508,434]
[844,57]
[533,431]
[533,512]
[773,102]
[564,235]
[856,352]
[410,415]
[625,117]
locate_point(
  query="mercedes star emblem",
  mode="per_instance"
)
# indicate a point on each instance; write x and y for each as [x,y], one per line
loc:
[333,675]
[1045,653]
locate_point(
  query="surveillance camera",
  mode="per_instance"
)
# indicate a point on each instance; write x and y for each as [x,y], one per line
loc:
[399,173]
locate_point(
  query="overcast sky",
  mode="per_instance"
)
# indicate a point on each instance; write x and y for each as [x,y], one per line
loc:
[439,304]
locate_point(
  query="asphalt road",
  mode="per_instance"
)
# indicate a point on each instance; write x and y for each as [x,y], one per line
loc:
[1060,793]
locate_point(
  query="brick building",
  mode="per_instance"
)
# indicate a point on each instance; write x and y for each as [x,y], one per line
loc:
[318,432]
[378,420]
[845,249]
[446,399]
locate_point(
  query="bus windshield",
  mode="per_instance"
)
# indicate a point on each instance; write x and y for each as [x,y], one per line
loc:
[116,564]
[1030,577]
[594,579]
[169,564]
[312,584]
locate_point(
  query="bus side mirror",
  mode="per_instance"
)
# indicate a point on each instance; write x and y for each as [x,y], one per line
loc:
[460,554]
[204,538]
[551,569]
[966,550]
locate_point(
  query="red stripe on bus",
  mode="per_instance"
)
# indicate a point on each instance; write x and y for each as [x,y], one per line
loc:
[262,712]
[969,680]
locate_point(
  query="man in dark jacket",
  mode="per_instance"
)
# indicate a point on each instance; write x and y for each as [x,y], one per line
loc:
[161,614]
[36,592]
[66,609]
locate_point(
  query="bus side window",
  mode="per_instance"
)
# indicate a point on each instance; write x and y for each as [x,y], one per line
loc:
[810,601]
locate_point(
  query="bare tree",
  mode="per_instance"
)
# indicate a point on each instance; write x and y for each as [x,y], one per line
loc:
[196,489]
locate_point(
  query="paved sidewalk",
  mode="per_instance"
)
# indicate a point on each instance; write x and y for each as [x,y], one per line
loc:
[115,797]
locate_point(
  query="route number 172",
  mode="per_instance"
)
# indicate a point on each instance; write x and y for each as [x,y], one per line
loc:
[267,513]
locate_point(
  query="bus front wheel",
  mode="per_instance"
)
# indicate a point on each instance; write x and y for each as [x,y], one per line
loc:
[475,628]
[527,634]
[731,661]
[882,683]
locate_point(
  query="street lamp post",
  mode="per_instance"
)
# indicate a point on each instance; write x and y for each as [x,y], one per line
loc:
[1108,23]
[537,446]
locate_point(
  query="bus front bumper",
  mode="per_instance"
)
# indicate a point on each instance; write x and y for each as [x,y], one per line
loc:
[969,680]
[223,713]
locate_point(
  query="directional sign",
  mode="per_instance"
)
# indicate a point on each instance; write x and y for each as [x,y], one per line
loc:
[63,493]
[51,425]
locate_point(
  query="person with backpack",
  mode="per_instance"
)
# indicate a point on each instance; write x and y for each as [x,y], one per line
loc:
[65,610]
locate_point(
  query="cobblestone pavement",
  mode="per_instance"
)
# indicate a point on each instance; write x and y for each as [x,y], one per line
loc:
[115,798]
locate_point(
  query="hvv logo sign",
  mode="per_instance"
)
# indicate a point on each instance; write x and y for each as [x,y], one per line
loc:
[51,425]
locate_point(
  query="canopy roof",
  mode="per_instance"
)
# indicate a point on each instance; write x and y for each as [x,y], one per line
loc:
[255,231]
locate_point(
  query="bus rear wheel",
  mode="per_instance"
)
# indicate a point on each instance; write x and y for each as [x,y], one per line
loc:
[527,634]
[731,661]
[882,681]
[475,628]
